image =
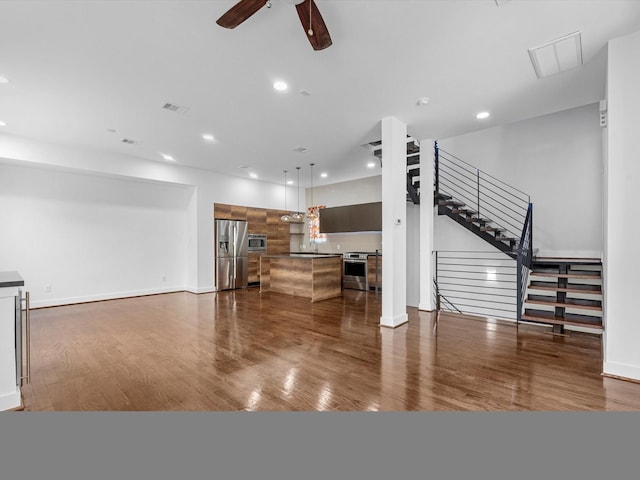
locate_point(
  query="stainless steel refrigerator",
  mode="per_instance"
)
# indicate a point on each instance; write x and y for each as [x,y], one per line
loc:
[232,261]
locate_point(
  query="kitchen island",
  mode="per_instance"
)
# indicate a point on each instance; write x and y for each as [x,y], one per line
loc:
[317,277]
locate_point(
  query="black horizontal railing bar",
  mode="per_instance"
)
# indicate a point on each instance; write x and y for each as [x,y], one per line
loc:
[441,151]
[491,302]
[477,288]
[484,293]
[448,162]
[481,266]
[485,308]
[500,306]
[487,197]
[484,252]
[524,200]
[502,215]
[481,274]
[477,258]
[477,176]
[462,185]
[471,279]
[461,180]
[443,162]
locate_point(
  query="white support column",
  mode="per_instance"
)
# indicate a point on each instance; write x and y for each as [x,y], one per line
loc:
[427,268]
[394,228]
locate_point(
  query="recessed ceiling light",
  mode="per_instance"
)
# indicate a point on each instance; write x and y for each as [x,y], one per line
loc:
[371,164]
[168,158]
[2,124]
[4,79]
[208,137]
[280,85]
[253,175]
[290,182]
[422,101]
[324,174]
[482,115]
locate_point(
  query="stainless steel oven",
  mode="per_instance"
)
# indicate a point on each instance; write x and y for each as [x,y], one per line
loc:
[257,242]
[354,269]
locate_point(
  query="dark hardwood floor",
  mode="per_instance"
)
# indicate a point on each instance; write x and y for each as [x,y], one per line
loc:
[243,350]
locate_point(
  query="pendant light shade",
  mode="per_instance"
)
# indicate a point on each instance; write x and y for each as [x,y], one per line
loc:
[298,217]
[312,215]
[286,218]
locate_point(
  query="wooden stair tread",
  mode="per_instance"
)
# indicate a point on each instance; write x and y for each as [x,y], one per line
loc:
[543,273]
[567,260]
[478,220]
[568,319]
[492,229]
[571,287]
[580,303]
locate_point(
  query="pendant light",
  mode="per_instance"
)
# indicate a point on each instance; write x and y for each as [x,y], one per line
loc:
[286,218]
[312,215]
[298,217]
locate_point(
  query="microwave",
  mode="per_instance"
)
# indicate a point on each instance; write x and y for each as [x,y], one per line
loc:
[257,242]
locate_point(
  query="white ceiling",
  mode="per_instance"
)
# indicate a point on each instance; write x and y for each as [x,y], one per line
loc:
[78,68]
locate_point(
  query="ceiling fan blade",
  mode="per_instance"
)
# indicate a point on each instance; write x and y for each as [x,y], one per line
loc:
[320,38]
[240,12]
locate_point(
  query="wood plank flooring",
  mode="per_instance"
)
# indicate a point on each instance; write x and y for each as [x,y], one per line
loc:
[246,350]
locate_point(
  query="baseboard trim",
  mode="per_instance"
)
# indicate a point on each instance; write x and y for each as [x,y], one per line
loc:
[11,401]
[104,296]
[394,322]
[621,371]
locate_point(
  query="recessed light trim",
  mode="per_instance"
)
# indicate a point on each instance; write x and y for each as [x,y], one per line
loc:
[208,137]
[289,182]
[280,85]
[483,115]
[324,174]
[253,175]
[371,165]
[168,158]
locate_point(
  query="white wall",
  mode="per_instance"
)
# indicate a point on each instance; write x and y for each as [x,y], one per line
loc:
[622,328]
[209,189]
[557,159]
[77,237]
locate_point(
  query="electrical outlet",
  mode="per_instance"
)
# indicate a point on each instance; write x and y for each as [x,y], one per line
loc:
[48,288]
[338,246]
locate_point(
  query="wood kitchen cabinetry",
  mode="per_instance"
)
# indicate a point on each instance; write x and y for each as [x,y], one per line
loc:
[259,220]
[364,217]
[371,271]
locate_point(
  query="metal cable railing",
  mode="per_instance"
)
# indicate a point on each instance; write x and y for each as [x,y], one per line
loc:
[482,193]
[477,283]
[524,259]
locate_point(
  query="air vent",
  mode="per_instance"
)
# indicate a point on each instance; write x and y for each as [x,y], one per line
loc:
[305,93]
[300,149]
[558,55]
[128,140]
[173,107]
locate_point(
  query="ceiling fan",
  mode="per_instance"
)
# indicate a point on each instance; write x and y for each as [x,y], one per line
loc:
[310,18]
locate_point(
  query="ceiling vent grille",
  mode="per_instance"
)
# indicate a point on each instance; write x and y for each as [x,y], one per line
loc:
[128,141]
[301,149]
[174,107]
[557,56]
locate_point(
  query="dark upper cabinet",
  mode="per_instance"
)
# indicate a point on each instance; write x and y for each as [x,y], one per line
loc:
[365,217]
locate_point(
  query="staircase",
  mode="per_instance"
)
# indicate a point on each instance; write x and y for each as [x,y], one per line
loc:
[565,292]
[560,292]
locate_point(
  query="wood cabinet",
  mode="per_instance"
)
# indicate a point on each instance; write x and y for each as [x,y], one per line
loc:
[259,220]
[364,217]
[371,271]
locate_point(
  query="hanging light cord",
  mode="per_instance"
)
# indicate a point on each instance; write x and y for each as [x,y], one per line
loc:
[310,31]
